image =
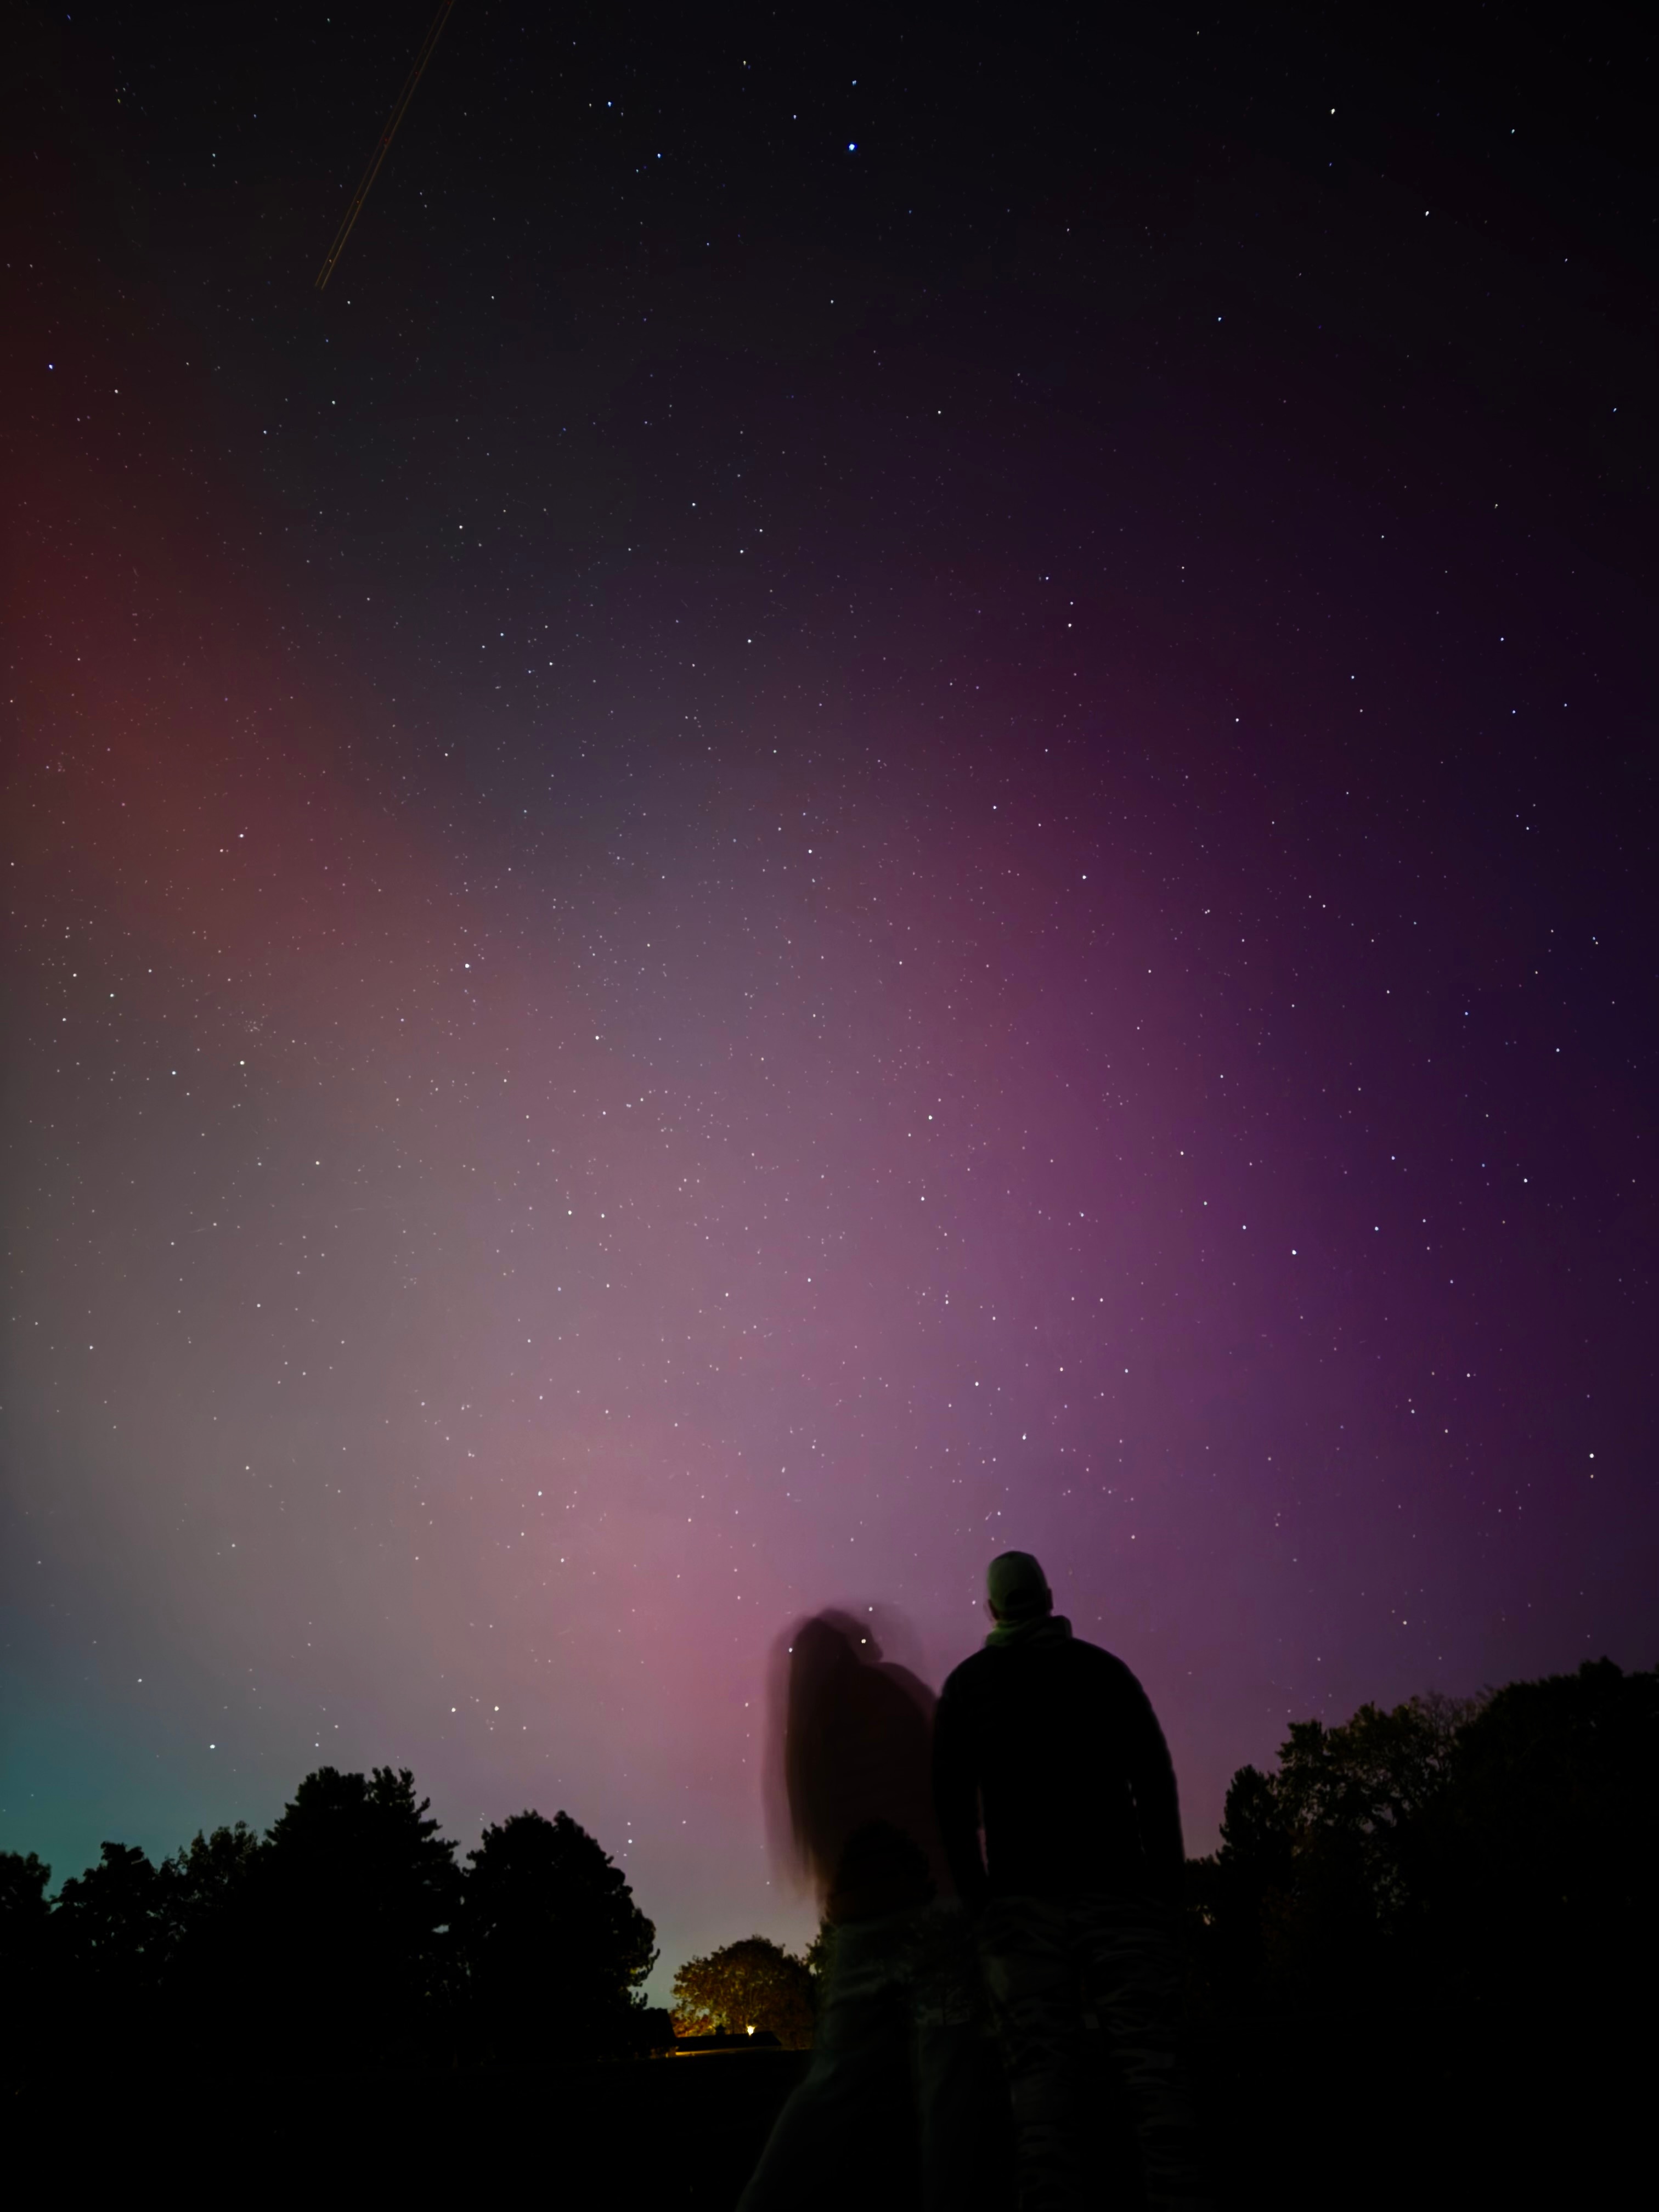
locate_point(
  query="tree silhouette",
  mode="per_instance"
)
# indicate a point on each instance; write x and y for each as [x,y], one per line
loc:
[755,1983]
[1354,1800]
[1229,1894]
[1490,1852]
[352,1894]
[553,1947]
[112,1934]
[211,1874]
[28,2013]
[210,1905]
[1495,1853]
[1543,1848]
[347,1936]
[1321,1879]
[24,1912]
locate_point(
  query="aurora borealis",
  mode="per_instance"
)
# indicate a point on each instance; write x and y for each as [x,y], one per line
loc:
[892,796]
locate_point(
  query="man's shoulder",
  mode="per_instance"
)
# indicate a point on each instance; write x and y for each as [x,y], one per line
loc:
[963,1678]
[1110,1673]
[1076,1653]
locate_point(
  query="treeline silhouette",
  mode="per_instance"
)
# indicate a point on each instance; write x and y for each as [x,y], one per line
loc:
[1490,1857]
[1485,1860]
[348,1935]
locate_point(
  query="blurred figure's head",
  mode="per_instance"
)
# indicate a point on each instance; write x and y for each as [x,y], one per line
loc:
[850,1790]
[1016,1587]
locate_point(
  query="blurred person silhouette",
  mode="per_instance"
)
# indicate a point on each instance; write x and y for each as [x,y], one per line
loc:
[895,2102]
[1049,1748]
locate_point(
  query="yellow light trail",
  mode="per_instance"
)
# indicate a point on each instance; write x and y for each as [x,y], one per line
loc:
[386,138]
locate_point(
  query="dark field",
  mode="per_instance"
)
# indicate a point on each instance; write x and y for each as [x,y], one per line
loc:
[1303,2114]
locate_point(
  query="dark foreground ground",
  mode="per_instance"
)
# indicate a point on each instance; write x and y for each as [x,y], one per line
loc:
[1297,2115]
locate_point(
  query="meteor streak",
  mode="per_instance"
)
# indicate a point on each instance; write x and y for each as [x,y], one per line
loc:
[386,138]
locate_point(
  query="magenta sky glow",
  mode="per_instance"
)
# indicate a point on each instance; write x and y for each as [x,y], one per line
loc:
[973,920]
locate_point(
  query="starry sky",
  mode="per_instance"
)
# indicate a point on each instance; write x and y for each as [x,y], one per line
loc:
[893,795]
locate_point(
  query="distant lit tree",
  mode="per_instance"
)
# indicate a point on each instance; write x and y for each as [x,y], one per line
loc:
[755,1983]
[552,1946]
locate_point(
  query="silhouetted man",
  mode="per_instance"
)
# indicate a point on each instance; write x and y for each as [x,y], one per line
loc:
[1050,1745]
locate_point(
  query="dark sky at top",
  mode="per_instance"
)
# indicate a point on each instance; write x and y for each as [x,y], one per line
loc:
[893,795]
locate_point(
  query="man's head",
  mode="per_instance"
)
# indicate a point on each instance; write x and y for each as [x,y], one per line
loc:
[1018,1588]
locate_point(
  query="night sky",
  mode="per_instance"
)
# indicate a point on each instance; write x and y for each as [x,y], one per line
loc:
[893,795]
